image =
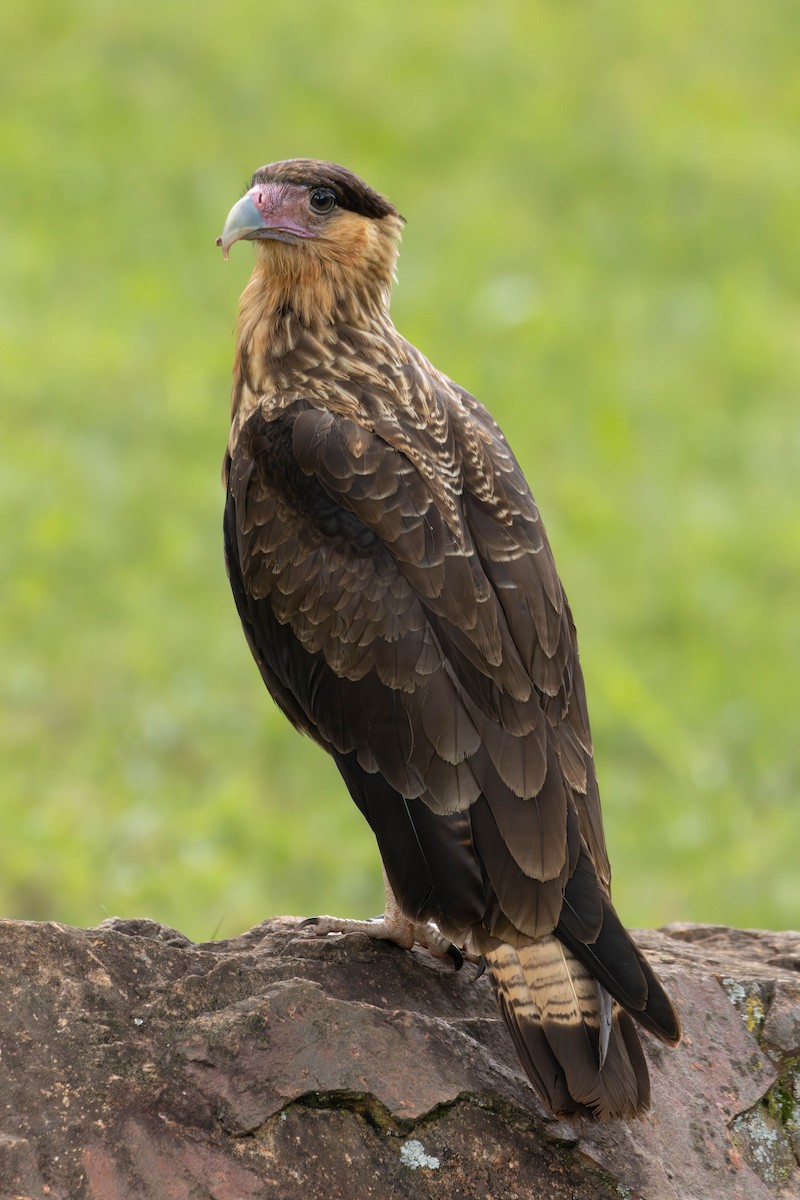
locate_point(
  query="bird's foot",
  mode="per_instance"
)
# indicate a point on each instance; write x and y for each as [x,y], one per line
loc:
[391,927]
[394,926]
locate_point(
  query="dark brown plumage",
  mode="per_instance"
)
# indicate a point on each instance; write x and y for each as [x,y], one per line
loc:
[399,596]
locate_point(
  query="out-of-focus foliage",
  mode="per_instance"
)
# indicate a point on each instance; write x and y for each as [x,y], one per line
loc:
[602,244]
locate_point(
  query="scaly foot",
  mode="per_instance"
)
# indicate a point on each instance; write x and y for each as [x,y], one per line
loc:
[391,927]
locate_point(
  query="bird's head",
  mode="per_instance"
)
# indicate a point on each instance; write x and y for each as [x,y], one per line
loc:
[324,236]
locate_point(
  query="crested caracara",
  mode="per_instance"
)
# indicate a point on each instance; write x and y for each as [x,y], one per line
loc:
[399,595]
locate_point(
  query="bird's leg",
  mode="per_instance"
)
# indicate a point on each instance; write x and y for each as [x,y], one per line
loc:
[393,926]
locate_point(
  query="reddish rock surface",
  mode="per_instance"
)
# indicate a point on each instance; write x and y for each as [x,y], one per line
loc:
[138,1066]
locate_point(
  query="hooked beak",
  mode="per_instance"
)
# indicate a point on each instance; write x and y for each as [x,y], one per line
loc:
[242,221]
[247,221]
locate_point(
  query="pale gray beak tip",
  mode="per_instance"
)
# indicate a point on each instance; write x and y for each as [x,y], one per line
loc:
[243,219]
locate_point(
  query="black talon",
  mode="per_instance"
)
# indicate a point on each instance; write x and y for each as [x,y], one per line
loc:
[308,921]
[480,971]
[456,955]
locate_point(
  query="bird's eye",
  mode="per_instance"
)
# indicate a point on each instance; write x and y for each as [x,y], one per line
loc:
[322,200]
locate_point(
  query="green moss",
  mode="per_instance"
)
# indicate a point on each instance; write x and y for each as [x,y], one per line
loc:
[362,1104]
[783,1100]
[768,1135]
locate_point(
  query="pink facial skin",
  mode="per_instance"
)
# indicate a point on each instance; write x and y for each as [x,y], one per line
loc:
[271,210]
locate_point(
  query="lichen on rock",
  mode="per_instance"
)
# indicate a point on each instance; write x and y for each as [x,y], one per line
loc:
[413,1156]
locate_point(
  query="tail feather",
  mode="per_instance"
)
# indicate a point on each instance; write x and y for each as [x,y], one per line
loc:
[651,1006]
[611,955]
[555,1013]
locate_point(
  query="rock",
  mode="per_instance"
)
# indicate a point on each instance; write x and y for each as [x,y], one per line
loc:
[139,1066]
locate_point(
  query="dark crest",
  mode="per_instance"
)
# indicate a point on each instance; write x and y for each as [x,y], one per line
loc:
[350,191]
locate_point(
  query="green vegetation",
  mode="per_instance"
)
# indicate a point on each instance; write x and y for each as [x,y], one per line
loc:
[602,244]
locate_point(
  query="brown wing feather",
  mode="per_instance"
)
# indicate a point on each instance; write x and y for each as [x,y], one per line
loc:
[399,594]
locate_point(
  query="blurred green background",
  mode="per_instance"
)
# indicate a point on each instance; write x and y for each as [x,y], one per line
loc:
[603,205]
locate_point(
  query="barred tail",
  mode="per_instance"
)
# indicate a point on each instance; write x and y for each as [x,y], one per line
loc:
[578,1046]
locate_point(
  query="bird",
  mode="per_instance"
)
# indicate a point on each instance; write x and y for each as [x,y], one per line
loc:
[399,596]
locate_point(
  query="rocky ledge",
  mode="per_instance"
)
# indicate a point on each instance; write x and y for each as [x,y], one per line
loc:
[139,1066]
